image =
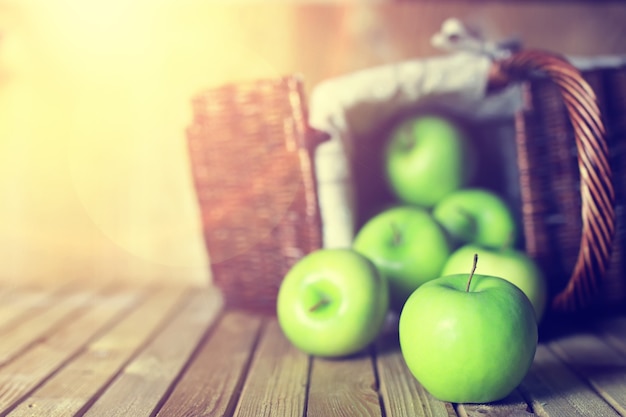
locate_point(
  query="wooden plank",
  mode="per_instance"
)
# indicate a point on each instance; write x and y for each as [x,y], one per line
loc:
[55,309]
[140,387]
[72,388]
[554,390]
[602,366]
[5,290]
[343,387]
[18,303]
[402,394]
[24,373]
[512,406]
[10,291]
[211,383]
[613,331]
[278,361]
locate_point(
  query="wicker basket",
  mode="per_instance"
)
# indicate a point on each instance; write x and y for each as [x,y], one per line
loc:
[567,179]
[251,155]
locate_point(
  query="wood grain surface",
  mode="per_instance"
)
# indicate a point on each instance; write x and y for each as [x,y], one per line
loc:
[117,350]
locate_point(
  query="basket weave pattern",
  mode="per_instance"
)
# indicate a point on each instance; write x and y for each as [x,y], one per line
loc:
[251,161]
[566,179]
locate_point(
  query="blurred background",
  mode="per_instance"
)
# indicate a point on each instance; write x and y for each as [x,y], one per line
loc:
[95,100]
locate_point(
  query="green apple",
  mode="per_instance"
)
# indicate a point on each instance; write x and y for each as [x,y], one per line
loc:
[407,246]
[468,338]
[475,215]
[332,302]
[513,265]
[426,157]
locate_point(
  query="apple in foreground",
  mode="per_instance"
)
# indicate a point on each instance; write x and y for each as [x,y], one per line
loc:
[407,246]
[468,338]
[332,303]
[426,157]
[476,215]
[513,265]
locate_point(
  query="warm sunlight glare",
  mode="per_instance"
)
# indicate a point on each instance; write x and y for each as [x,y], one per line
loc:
[94,101]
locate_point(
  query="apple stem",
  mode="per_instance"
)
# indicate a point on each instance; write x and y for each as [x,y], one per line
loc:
[473,224]
[322,302]
[469,281]
[407,141]
[396,233]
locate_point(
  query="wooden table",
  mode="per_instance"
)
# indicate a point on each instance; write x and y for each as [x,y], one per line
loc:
[118,350]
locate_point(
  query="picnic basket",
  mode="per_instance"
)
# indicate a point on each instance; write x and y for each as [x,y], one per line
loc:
[251,153]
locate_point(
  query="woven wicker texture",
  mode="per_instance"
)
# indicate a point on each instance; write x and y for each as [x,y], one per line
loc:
[568,203]
[250,153]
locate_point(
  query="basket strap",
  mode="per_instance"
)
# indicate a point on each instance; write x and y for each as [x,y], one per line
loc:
[596,188]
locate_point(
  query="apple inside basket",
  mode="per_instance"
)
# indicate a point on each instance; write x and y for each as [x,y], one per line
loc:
[566,224]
